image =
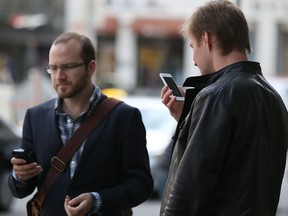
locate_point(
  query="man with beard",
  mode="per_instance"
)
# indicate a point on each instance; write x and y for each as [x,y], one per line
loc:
[110,171]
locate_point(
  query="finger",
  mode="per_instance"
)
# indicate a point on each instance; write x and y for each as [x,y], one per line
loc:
[26,166]
[25,174]
[79,199]
[73,210]
[31,172]
[163,91]
[74,202]
[67,199]
[66,202]
[171,102]
[67,207]
[17,161]
[70,209]
[81,204]
[167,97]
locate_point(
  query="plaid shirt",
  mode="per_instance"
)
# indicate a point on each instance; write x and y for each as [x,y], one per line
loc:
[68,125]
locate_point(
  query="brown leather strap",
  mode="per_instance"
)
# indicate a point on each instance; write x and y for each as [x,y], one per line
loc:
[60,161]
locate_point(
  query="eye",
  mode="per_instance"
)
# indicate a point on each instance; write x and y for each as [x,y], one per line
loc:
[68,66]
[71,66]
[53,67]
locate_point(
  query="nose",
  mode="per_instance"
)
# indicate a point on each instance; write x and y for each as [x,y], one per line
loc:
[60,73]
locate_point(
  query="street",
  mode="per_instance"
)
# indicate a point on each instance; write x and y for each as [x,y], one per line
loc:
[150,207]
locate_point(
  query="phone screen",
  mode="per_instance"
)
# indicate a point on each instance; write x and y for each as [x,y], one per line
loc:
[172,85]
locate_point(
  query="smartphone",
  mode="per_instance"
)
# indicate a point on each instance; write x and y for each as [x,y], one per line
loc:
[23,154]
[169,80]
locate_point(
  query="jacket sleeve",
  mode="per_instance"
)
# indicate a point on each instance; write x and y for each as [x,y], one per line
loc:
[19,189]
[208,128]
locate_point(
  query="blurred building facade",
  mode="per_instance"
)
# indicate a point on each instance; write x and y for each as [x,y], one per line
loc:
[142,39]
[136,40]
[27,29]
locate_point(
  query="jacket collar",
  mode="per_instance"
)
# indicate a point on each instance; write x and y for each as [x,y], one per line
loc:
[200,82]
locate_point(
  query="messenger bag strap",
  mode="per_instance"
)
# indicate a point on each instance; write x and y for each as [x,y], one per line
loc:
[60,161]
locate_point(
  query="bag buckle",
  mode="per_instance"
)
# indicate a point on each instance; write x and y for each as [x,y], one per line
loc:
[58,164]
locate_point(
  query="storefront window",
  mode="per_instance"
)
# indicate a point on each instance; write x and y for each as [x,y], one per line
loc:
[158,55]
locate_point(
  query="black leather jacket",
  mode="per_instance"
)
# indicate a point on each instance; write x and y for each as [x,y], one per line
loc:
[230,150]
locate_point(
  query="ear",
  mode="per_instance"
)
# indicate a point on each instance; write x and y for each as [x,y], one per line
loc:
[207,38]
[92,67]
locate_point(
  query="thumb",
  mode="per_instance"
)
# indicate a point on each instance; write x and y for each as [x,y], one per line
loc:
[67,200]
[73,202]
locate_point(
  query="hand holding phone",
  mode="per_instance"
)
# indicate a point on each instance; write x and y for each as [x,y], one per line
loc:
[23,154]
[170,82]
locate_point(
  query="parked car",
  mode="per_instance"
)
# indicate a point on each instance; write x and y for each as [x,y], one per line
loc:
[160,127]
[9,139]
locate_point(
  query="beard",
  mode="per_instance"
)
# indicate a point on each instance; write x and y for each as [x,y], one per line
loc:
[67,89]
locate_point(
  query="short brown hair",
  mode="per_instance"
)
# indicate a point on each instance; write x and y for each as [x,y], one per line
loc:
[225,21]
[88,52]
